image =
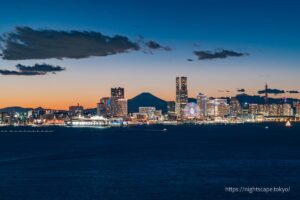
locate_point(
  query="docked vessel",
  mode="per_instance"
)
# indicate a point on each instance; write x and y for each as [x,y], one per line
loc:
[288,124]
[91,121]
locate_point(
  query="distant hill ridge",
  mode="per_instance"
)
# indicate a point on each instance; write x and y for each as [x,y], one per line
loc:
[147,99]
[15,109]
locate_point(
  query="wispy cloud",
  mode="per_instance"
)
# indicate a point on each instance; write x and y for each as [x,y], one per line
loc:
[37,69]
[154,45]
[220,53]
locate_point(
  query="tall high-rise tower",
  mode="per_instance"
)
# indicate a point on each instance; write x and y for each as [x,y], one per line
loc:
[235,107]
[266,93]
[116,95]
[181,95]
[202,103]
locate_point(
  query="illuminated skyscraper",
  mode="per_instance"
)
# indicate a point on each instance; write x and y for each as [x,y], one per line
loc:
[273,110]
[181,95]
[235,107]
[104,107]
[253,109]
[286,110]
[122,108]
[202,103]
[116,94]
[297,109]
[217,107]
[171,107]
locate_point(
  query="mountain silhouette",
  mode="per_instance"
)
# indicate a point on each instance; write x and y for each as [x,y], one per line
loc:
[15,109]
[148,100]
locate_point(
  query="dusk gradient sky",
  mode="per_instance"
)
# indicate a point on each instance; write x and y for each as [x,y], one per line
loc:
[268,31]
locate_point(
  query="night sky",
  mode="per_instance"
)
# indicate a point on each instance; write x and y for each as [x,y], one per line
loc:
[55,54]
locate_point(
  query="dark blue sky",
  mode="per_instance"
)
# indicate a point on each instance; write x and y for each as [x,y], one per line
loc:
[266,22]
[267,30]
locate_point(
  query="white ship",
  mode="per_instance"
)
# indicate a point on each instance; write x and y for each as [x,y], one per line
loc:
[288,124]
[88,121]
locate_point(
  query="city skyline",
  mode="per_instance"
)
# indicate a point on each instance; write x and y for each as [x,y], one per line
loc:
[252,45]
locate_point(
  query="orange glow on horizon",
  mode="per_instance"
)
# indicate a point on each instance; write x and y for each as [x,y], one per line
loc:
[62,102]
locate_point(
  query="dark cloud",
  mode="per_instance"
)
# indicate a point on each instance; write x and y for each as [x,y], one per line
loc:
[40,68]
[271,91]
[240,90]
[27,43]
[190,60]
[221,53]
[20,73]
[37,69]
[154,45]
[293,92]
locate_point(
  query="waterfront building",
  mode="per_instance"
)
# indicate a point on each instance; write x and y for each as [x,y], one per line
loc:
[263,109]
[297,109]
[235,107]
[253,109]
[75,110]
[202,103]
[181,96]
[148,111]
[121,108]
[276,110]
[6,118]
[158,114]
[286,110]
[140,117]
[217,107]
[104,107]
[171,107]
[191,111]
[116,94]
[273,110]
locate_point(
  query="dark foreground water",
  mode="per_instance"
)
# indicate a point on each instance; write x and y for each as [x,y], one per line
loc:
[144,163]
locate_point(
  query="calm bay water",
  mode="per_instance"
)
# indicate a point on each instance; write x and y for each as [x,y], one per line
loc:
[186,162]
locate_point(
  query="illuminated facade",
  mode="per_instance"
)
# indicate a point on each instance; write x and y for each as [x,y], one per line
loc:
[116,94]
[235,107]
[149,111]
[217,107]
[104,107]
[202,103]
[286,109]
[297,109]
[181,96]
[271,110]
[191,111]
[171,107]
[75,110]
[122,108]
[253,109]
